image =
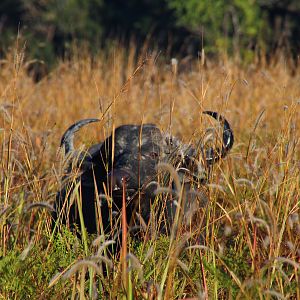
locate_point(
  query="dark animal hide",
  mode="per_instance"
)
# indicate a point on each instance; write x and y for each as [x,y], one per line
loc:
[131,158]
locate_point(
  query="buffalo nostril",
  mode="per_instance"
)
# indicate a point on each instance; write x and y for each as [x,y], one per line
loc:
[116,178]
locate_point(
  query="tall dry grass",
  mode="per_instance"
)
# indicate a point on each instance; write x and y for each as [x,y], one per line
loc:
[252,227]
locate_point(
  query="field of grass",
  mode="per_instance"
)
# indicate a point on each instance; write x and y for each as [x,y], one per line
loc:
[250,225]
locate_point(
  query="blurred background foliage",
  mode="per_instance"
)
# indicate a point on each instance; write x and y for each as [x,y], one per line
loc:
[241,28]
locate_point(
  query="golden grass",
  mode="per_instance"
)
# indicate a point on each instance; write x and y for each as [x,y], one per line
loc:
[255,192]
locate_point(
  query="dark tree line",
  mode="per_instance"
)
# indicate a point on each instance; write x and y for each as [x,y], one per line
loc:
[51,27]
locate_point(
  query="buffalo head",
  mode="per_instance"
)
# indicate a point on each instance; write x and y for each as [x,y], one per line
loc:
[130,158]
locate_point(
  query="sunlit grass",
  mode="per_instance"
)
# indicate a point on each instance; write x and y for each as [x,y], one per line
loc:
[245,241]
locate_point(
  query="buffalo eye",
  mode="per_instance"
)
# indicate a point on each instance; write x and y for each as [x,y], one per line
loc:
[153,155]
